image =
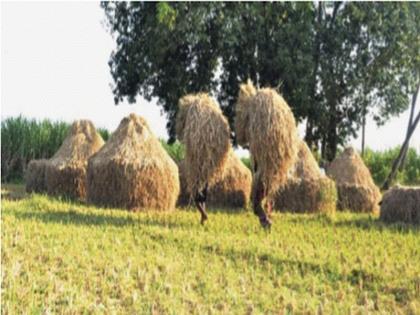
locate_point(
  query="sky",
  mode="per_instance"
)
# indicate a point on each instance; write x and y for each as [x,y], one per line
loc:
[54,64]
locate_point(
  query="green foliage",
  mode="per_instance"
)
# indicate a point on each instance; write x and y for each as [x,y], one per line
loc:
[24,139]
[176,150]
[334,62]
[61,257]
[247,162]
[380,164]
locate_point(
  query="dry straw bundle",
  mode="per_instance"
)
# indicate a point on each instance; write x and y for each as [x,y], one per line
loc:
[202,128]
[265,123]
[355,186]
[306,189]
[65,173]
[401,204]
[232,190]
[133,170]
[35,176]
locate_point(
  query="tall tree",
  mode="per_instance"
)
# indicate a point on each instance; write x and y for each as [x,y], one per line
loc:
[335,63]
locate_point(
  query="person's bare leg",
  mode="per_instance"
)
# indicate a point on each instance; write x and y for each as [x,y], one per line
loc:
[258,195]
[200,201]
[269,207]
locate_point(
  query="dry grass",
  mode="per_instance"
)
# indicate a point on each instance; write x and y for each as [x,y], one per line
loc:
[133,170]
[202,128]
[265,122]
[233,190]
[401,204]
[35,176]
[61,257]
[65,173]
[306,189]
[356,189]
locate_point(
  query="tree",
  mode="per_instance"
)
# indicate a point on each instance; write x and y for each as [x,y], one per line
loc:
[163,51]
[335,63]
[369,61]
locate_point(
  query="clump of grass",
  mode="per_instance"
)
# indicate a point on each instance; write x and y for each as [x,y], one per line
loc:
[65,257]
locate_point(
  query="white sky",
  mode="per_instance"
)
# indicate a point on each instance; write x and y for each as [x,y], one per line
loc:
[54,64]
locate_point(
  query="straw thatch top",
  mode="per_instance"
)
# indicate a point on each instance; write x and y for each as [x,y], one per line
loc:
[202,128]
[81,142]
[133,141]
[349,168]
[265,123]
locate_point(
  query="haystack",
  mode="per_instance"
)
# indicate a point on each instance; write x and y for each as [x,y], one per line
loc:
[65,174]
[202,128]
[306,189]
[265,124]
[35,176]
[356,189]
[133,170]
[401,204]
[233,190]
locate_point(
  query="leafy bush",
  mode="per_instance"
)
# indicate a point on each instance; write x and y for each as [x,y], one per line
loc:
[380,164]
[175,150]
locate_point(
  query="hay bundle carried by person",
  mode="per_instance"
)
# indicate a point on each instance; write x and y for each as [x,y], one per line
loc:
[233,190]
[356,189]
[306,189]
[401,204]
[265,124]
[65,173]
[133,170]
[202,128]
[35,176]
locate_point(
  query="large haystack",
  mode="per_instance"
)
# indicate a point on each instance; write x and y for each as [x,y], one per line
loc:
[233,190]
[65,173]
[356,189]
[265,124]
[133,170]
[202,128]
[35,176]
[401,204]
[306,189]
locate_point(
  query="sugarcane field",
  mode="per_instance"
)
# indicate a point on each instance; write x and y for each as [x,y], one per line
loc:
[210,157]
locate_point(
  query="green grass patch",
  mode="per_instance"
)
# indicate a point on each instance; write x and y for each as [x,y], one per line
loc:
[65,257]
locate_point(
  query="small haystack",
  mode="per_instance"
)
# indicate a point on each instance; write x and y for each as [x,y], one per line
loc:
[35,176]
[133,170]
[265,124]
[65,173]
[233,190]
[307,189]
[401,204]
[202,128]
[356,189]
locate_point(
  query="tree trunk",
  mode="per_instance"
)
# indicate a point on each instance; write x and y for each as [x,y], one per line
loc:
[410,122]
[363,133]
[404,147]
[331,143]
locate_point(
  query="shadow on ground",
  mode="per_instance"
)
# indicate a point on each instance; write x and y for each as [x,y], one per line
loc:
[89,219]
